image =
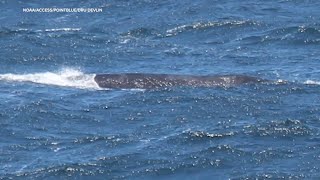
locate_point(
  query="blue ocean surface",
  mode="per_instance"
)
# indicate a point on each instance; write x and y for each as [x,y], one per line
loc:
[57,123]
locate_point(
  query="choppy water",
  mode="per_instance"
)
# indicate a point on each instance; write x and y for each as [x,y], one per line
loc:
[56,123]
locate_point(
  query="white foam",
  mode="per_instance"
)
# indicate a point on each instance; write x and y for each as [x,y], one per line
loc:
[311,82]
[66,77]
[60,30]
[280,81]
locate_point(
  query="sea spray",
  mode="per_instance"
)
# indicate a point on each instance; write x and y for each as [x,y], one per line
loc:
[66,77]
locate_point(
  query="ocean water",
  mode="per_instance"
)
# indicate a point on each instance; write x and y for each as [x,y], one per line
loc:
[56,123]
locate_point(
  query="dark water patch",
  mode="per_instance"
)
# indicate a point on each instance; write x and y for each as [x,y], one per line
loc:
[25,31]
[141,33]
[98,39]
[6,33]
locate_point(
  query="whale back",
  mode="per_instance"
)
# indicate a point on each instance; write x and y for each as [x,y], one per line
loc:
[147,81]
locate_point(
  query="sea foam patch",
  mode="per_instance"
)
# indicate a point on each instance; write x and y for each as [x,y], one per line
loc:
[66,77]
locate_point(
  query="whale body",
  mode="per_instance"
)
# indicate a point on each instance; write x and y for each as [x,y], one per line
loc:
[148,81]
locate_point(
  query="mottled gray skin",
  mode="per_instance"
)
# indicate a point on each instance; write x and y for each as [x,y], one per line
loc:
[148,81]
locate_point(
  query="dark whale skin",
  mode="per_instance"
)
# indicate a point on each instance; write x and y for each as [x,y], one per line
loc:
[149,81]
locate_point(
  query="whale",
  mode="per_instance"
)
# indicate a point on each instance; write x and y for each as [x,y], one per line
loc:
[149,81]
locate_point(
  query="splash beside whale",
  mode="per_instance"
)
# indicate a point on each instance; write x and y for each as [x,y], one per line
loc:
[149,81]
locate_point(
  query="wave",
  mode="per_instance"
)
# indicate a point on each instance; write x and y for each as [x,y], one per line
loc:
[312,82]
[66,77]
[204,25]
[292,35]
